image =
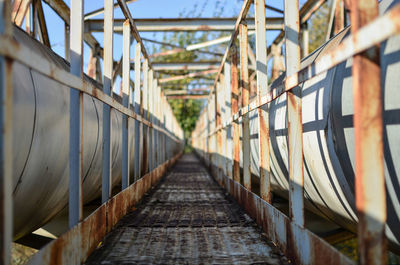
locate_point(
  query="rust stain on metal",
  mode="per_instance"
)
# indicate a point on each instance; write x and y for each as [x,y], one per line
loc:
[92,230]
[286,235]
[368,128]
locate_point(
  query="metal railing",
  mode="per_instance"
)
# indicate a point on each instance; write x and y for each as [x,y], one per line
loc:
[151,113]
[210,134]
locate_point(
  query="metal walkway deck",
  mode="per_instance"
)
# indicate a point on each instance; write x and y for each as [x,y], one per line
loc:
[187,219]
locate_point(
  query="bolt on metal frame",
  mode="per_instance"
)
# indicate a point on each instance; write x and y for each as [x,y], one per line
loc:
[298,243]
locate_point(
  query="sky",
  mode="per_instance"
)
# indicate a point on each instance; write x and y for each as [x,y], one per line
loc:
[152,9]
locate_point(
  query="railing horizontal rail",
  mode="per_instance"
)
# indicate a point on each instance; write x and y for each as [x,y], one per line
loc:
[11,49]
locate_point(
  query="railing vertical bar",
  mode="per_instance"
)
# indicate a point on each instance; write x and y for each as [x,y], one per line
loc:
[262,89]
[245,89]
[66,38]
[143,112]
[151,118]
[126,91]
[228,114]
[304,39]
[368,126]
[235,109]
[76,117]
[137,99]
[107,87]
[6,140]
[295,126]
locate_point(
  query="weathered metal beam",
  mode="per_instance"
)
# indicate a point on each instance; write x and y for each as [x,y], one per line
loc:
[304,40]
[137,104]
[242,15]
[107,86]
[42,24]
[228,114]
[235,108]
[309,8]
[295,127]
[189,66]
[180,77]
[61,9]
[368,127]
[196,46]
[187,96]
[76,117]
[178,48]
[339,17]
[126,94]
[186,91]
[101,10]
[183,24]
[6,141]
[19,10]
[28,21]
[245,92]
[143,112]
[263,115]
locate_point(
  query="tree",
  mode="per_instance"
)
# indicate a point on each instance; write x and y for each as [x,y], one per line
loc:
[319,28]
[188,110]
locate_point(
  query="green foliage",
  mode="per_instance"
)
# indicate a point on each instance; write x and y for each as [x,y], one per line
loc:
[188,110]
[318,27]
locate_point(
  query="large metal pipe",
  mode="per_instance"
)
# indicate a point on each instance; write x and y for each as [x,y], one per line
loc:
[41,142]
[328,138]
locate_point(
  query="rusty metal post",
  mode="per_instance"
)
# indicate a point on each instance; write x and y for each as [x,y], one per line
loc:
[221,103]
[218,136]
[304,40]
[143,113]
[126,94]
[295,126]
[66,35]
[137,99]
[235,109]
[107,87]
[339,17]
[91,71]
[368,127]
[76,117]
[277,64]
[28,20]
[245,89]
[6,140]
[228,114]
[262,88]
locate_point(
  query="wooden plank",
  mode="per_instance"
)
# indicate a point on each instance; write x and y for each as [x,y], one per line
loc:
[295,125]
[126,93]
[263,114]
[107,87]
[245,91]
[368,131]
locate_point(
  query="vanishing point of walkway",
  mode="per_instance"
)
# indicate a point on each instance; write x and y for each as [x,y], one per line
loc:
[187,219]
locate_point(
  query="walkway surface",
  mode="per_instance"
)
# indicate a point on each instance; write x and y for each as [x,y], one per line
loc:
[187,219]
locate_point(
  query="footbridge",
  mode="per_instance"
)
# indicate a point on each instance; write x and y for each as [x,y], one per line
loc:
[282,167]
